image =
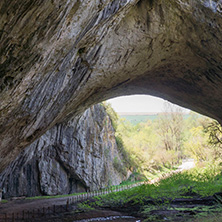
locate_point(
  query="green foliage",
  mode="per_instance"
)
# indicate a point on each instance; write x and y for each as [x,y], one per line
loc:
[112,114]
[136,119]
[134,177]
[214,130]
[84,206]
[150,197]
[153,145]
[3,201]
[203,142]
[119,166]
[209,217]
[162,143]
[49,197]
[197,145]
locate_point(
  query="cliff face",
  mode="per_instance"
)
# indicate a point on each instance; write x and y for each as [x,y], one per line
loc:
[75,156]
[59,57]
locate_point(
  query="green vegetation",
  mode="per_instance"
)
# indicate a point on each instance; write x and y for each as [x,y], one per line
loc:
[213,217]
[49,197]
[135,119]
[157,145]
[196,182]
[162,196]
[119,166]
[112,114]
[85,206]
[3,201]
[154,146]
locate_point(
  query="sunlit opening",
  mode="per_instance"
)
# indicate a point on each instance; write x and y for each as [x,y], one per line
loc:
[156,136]
[140,104]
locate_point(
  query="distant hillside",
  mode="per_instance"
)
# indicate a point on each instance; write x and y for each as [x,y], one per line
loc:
[136,118]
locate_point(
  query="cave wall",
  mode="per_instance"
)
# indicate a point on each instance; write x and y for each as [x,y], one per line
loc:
[59,57]
[75,156]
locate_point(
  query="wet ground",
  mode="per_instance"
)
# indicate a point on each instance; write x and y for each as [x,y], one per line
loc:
[43,210]
[17,206]
[56,210]
[177,210]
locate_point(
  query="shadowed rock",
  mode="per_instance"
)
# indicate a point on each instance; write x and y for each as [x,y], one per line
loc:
[75,156]
[59,57]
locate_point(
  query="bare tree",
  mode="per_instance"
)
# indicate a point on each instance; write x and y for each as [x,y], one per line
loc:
[171,127]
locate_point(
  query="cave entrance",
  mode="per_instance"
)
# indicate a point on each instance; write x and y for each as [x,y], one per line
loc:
[158,135]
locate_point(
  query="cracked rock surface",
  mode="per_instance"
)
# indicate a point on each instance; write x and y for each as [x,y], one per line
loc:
[59,57]
[75,156]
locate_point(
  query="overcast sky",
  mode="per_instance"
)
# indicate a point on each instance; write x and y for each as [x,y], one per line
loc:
[138,103]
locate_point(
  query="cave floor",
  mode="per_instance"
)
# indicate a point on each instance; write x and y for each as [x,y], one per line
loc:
[55,210]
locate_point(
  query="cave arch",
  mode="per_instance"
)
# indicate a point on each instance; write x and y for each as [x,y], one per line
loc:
[59,58]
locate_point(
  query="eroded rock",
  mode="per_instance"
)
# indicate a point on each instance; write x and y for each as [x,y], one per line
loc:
[59,57]
[75,156]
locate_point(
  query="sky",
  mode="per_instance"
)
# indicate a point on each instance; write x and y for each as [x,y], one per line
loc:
[138,103]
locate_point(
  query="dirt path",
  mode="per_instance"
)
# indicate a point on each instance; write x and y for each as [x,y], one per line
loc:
[17,206]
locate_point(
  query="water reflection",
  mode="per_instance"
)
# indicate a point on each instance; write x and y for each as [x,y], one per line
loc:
[110,218]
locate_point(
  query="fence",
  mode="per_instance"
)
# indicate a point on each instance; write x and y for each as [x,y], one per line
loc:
[29,216]
[32,215]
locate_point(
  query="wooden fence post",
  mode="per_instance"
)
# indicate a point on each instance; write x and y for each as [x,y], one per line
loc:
[67,205]
[33,213]
[13,217]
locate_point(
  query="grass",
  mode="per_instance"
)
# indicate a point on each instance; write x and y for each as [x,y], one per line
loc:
[49,197]
[197,182]
[213,217]
[153,175]
[3,201]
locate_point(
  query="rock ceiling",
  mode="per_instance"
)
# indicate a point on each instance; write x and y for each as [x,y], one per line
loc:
[59,57]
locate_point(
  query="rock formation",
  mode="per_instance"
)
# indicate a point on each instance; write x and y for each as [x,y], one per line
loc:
[75,156]
[59,57]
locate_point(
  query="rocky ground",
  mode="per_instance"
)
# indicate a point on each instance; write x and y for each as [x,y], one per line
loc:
[182,209]
[56,209]
[61,214]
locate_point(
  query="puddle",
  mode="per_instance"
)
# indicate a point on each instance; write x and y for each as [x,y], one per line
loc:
[106,218]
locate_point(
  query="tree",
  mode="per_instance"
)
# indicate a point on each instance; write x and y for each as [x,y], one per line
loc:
[215,133]
[197,144]
[170,125]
